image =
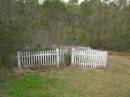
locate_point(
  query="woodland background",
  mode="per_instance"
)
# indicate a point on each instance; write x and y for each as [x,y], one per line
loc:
[28,24]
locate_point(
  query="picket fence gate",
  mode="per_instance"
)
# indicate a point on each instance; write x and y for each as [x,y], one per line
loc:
[86,57]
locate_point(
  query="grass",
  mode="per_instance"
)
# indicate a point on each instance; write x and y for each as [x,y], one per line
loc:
[114,82]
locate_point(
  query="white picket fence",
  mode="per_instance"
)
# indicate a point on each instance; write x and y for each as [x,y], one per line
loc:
[33,58]
[86,57]
[81,56]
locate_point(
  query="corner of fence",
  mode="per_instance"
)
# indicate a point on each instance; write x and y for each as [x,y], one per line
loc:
[18,59]
[72,56]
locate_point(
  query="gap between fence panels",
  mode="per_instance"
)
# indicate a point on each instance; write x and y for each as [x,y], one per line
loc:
[82,57]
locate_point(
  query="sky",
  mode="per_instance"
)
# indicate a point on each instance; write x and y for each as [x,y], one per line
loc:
[68,0]
[79,1]
[65,1]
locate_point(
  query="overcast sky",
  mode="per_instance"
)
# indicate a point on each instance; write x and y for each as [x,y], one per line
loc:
[79,1]
[64,0]
[68,0]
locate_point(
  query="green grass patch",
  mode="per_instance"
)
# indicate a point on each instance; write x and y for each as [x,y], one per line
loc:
[31,85]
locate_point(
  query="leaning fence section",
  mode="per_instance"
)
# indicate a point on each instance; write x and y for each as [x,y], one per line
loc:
[86,57]
[36,58]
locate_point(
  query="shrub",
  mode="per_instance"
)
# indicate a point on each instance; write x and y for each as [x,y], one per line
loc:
[68,58]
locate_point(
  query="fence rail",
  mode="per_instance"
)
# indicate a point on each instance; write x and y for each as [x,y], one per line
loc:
[31,58]
[86,57]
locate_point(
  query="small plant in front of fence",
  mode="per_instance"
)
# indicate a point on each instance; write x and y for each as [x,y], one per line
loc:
[67,58]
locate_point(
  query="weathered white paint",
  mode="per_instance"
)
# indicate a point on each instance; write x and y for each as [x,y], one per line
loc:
[31,58]
[81,56]
[86,57]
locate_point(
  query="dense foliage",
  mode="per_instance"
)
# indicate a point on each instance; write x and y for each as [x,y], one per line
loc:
[30,24]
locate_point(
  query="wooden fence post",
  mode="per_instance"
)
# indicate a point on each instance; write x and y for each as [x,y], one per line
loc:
[72,56]
[57,53]
[18,58]
[106,55]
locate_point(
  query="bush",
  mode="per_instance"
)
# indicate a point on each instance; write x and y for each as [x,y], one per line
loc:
[7,60]
[68,58]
